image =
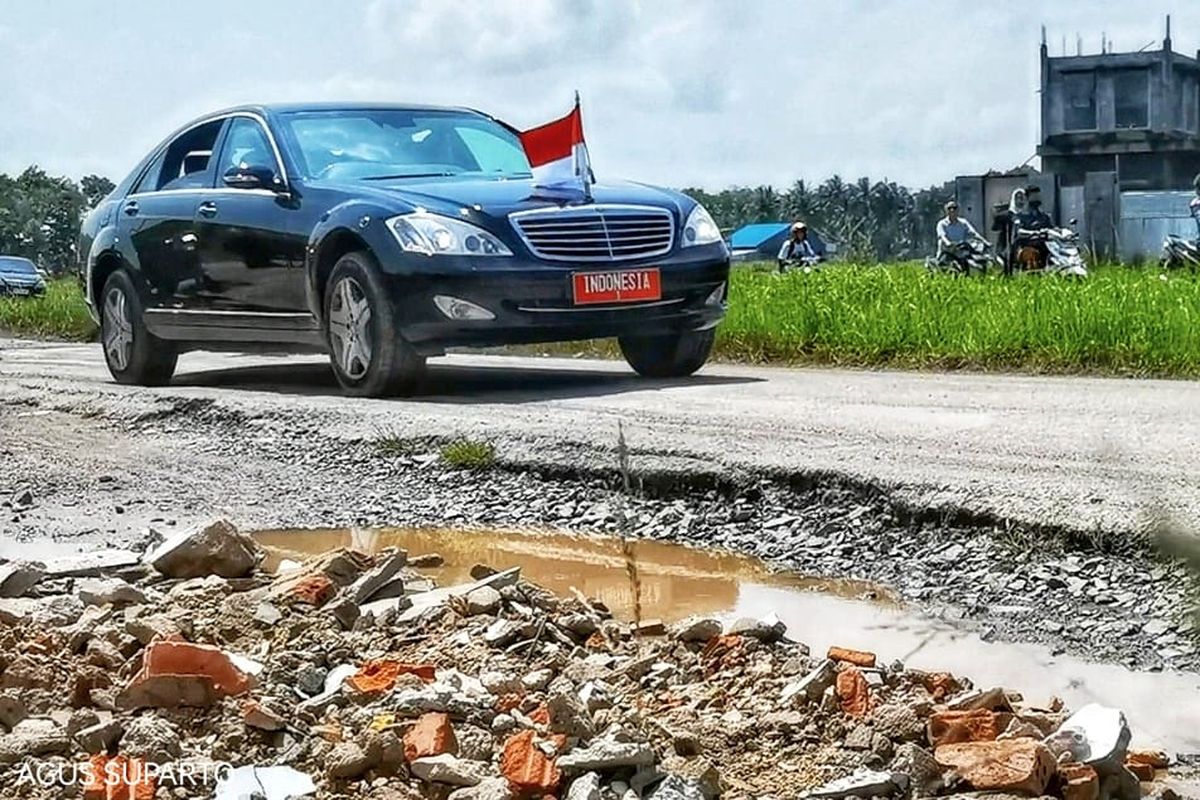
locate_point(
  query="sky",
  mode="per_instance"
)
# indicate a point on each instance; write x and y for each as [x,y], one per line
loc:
[708,93]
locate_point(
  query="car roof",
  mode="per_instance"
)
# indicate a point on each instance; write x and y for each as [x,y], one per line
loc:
[291,108]
[15,259]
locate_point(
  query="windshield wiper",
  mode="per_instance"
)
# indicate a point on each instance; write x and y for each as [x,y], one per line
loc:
[410,175]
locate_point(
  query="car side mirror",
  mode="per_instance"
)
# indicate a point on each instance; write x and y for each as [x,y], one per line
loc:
[251,176]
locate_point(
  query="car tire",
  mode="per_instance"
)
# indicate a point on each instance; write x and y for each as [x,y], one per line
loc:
[369,357]
[133,354]
[675,355]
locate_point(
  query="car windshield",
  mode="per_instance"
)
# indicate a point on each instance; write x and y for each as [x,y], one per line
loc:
[386,144]
[17,266]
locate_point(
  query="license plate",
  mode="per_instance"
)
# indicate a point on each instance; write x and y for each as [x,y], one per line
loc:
[621,286]
[19,291]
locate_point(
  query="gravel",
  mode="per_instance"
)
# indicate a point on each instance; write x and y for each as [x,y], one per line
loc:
[138,471]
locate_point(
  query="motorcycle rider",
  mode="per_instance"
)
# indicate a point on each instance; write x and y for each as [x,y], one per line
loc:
[953,233]
[796,249]
[1026,217]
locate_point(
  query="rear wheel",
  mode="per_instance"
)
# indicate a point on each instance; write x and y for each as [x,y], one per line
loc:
[369,357]
[674,355]
[133,354]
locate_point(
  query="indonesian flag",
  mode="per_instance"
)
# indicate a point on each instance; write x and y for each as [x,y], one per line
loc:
[558,154]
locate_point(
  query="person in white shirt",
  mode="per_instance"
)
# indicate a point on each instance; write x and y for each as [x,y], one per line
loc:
[796,249]
[953,232]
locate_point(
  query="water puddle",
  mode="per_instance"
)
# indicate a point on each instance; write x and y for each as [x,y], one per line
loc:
[676,582]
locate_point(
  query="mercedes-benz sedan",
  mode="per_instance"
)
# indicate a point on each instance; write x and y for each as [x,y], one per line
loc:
[383,235]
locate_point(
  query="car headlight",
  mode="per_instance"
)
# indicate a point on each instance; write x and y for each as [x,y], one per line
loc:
[700,228]
[435,235]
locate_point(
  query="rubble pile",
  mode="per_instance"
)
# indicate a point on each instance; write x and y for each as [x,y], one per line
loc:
[357,676]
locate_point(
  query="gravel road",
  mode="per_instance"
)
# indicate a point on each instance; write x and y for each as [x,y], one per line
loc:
[1082,453]
[853,487]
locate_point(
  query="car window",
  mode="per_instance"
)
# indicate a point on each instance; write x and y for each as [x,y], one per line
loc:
[493,153]
[184,163]
[246,145]
[374,144]
[149,180]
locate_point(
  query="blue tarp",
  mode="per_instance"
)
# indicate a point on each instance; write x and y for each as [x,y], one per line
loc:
[750,237]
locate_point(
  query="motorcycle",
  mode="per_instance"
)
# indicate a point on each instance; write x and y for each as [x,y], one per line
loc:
[1178,253]
[1052,251]
[967,258]
[802,263]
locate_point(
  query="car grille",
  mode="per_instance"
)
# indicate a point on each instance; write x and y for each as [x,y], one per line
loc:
[596,233]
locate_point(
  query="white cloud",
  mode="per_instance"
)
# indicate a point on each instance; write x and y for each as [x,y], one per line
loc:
[681,92]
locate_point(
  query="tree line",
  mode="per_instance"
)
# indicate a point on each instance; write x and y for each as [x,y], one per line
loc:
[870,221]
[40,215]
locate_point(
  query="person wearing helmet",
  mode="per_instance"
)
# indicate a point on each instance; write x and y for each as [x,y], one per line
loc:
[953,232]
[796,249]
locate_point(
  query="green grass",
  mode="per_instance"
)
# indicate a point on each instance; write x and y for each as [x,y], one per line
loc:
[468,454]
[58,314]
[1120,320]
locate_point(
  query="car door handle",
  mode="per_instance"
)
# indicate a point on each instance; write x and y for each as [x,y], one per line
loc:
[131,208]
[208,209]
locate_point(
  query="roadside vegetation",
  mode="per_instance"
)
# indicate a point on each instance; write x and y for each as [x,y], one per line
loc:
[1119,321]
[59,314]
[468,454]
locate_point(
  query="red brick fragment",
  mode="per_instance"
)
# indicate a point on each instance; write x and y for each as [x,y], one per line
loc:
[977,725]
[1079,782]
[119,778]
[432,735]
[381,675]
[859,658]
[527,769]
[853,693]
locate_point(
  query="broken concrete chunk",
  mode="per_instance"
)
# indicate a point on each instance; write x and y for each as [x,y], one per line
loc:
[678,788]
[993,699]
[18,577]
[484,600]
[33,737]
[90,565]
[585,787]
[99,738]
[387,567]
[347,760]
[216,549]
[768,629]
[264,783]
[605,754]
[450,770]
[861,783]
[51,612]
[811,686]
[108,591]
[696,629]
[1096,735]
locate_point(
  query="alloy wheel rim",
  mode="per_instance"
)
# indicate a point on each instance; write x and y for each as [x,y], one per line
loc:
[350,328]
[118,329]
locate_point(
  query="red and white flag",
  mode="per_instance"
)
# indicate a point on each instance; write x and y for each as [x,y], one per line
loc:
[558,154]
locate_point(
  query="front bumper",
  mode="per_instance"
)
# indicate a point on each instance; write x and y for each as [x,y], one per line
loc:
[533,302]
[13,289]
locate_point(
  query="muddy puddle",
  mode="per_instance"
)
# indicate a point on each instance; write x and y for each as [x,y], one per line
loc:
[676,582]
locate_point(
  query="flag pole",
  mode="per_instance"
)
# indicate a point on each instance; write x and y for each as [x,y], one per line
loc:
[583,167]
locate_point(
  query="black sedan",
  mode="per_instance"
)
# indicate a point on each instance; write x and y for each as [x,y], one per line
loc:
[19,277]
[383,235]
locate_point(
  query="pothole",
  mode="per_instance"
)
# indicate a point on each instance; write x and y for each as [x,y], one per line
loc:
[676,581]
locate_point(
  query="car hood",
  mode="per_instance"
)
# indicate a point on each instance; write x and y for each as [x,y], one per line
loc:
[498,198]
[20,277]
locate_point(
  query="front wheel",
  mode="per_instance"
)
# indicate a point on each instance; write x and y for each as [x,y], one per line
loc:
[133,354]
[674,355]
[369,357]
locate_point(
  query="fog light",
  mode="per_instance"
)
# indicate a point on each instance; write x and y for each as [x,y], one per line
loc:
[458,309]
[717,297]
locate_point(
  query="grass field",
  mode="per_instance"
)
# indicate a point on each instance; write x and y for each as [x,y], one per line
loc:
[1120,320]
[58,314]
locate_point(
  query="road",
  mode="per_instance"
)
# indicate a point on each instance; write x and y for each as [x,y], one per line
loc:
[1080,452]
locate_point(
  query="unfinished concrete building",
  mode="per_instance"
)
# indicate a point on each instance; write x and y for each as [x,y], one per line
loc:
[1135,115]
